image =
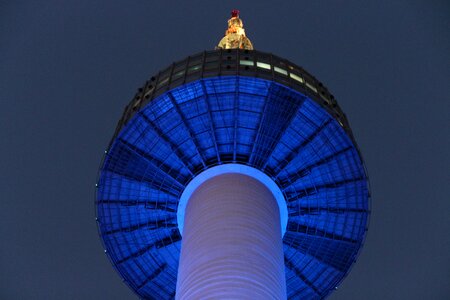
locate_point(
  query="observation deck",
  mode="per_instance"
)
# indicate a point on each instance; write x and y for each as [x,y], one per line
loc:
[233,106]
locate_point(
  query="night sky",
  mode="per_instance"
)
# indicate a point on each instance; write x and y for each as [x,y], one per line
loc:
[68,68]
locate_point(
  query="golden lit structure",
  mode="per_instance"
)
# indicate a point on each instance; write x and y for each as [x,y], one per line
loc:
[235,34]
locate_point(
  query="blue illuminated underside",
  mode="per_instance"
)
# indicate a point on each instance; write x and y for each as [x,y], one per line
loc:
[241,120]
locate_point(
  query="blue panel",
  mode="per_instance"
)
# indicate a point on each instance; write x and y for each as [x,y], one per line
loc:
[241,120]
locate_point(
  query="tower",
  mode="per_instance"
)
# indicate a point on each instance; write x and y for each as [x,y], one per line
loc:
[233,171]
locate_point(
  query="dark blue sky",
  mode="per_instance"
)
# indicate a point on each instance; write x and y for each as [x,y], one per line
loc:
[68,68]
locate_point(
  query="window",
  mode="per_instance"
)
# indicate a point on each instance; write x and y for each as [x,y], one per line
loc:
[263,65]
[280,70]
[296,77]
[246,63]
[311,87]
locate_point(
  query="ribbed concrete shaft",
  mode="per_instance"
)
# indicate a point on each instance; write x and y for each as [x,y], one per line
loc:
[231,246]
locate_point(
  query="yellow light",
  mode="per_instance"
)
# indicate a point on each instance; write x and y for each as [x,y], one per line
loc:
[235,34]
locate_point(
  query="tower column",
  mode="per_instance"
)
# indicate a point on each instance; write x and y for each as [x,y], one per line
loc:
[232,244]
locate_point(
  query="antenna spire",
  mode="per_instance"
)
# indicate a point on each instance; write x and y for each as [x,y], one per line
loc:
[235,34]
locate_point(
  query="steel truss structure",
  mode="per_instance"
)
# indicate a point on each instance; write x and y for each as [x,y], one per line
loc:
[233,106]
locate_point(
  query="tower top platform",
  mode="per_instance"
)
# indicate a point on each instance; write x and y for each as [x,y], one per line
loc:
[235,62]
[233,106]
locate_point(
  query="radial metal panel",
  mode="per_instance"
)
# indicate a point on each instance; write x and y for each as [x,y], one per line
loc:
[186,121]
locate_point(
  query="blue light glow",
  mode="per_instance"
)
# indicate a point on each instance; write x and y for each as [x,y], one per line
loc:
[233,120]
